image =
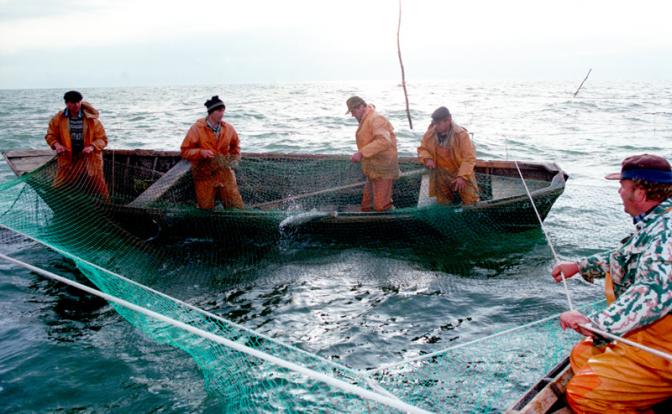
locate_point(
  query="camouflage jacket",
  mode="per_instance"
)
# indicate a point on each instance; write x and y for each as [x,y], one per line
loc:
[641,271]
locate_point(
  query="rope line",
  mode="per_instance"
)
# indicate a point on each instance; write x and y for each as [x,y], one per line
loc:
[312,374]
[385,367]
[548,240]
[628,342]
[192,307]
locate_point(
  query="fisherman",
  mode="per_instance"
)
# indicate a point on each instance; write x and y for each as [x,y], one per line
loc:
[213,147]
[614,377]
[447,150]
[377,152]
[78,137]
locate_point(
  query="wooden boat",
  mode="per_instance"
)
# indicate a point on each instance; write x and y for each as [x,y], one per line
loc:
[317,195]
[548,395]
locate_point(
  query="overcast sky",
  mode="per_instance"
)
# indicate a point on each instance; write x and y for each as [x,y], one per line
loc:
[52,43]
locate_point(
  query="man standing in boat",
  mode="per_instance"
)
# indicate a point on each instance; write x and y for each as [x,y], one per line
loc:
[377,152]
[78,137]
[447,150]
[212,146]
[614,377]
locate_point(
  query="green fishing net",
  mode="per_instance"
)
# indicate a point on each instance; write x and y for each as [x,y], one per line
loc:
[130,249]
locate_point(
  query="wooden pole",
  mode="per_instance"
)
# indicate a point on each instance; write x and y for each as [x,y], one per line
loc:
[584,81]
[403,72]
[329,190]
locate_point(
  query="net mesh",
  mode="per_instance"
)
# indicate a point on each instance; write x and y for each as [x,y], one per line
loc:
[147,233]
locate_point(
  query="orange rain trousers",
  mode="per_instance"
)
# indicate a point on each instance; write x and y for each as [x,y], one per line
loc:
[225,189]
[377,195]
[83,172]
[618,378]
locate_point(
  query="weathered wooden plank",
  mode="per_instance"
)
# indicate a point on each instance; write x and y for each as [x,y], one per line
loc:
[162,185]
[22,162]
[142,152]
[29,164]
[29,153]
[542,396]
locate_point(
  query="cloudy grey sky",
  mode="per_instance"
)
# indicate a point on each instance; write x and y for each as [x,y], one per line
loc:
[61,43]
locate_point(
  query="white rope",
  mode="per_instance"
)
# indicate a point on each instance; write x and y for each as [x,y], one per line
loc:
[569,299]
[548,240]
[363,375]
[185,304]
[628,342]
[317,376]
[462,345]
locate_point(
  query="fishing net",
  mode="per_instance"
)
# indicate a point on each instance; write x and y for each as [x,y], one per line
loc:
[148,238]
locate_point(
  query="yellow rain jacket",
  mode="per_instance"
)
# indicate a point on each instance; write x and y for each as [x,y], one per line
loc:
[456,157]
[378,144]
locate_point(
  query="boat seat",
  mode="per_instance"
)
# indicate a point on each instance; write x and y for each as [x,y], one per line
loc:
[423,197]
[162,185]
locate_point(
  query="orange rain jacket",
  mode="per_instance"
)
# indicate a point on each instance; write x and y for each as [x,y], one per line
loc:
[455,158]
[378,144]
[72,168]
[213,173]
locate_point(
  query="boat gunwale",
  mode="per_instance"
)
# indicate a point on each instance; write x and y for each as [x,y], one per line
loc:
[555,183]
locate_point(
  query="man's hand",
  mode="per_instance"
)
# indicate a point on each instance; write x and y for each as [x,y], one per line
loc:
[357,157]
[429,163]
[60,149]
[459,184]
[574,320]
[88,149]
[207,154]
[568,269]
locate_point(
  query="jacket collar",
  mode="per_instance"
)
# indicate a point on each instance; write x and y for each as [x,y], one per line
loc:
[66,113]
[652,215]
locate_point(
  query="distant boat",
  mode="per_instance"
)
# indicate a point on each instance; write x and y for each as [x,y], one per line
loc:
[151,195]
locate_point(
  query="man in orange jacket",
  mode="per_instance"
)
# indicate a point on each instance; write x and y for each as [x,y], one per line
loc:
[447,150]
[616,377]
[212,145]
[377,152]
[78,137]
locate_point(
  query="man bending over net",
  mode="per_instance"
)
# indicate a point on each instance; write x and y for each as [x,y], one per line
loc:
[447,150]
[377,152]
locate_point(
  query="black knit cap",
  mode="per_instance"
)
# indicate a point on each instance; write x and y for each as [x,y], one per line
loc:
[440,114]
[73,97]
[213,104]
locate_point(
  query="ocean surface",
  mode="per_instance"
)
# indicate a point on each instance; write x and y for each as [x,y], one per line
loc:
[62,351]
